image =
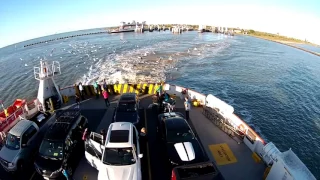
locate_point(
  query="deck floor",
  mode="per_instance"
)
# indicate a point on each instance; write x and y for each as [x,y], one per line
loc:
[240,166]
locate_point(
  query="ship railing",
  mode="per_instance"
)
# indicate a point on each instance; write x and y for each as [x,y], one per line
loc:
[32,108]
[224,124]
[220,113]
[6,124]
[46,70]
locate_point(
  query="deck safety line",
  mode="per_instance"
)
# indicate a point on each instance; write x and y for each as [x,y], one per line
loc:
[145,119]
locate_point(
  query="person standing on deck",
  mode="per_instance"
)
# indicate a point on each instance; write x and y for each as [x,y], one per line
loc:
[187,107]
[96,89]
[77,100]
[106,96]
[159,90]
[143,145]
[104,135]
[81,91]
[105,87]
[65,171]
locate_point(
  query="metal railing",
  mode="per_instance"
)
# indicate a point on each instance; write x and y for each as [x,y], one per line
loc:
[221,122]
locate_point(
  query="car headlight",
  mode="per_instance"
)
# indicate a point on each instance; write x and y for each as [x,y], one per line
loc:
[10,164]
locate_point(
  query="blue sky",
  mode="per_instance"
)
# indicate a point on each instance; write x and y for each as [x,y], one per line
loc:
[26,19]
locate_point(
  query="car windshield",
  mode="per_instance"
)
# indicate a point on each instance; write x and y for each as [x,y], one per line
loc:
[51,149]
[12,142]
[179,136]
[127,106]
[118,156]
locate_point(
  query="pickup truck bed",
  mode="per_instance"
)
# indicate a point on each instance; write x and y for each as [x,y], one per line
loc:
[199,171]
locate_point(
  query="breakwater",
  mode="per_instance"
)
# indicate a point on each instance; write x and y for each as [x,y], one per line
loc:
[291,45]
[65,37]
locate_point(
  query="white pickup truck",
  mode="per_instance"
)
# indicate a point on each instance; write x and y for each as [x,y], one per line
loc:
[119,157]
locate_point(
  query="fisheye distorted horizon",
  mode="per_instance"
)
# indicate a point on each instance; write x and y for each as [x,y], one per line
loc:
[23,20]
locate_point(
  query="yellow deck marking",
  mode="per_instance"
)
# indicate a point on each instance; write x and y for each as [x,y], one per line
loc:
[85,177]
[256,157]
[222,154]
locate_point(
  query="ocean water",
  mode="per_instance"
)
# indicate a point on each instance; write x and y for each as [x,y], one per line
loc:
[273,87]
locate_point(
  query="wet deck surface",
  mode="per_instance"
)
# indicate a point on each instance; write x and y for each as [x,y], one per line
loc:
[241,166]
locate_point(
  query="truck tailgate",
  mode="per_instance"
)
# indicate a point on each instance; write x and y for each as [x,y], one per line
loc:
[199,171]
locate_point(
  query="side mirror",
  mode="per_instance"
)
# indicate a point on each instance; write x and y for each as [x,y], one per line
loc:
[140,156]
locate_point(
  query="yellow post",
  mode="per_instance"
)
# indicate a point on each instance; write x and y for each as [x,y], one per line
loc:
[125,87]
[155,89]
[138,89]
[151,89]
[117,88]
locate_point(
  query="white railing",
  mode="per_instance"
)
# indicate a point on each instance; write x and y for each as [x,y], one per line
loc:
[46,70]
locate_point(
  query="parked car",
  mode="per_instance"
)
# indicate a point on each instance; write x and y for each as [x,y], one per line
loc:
[119,157]
[21,145]
[61,145]
[185,152]
[127,109]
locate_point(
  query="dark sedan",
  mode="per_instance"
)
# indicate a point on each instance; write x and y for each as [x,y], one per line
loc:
[127,109]
[182,145]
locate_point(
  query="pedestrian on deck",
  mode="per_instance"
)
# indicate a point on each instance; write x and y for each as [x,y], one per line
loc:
[81,91]
[159,90]
[143,147]
[96,89]
[187,107]
[78,100]
[65,171]
[105,87]
[103,133]
[106,98]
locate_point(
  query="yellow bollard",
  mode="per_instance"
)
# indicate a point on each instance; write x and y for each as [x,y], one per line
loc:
[6,112]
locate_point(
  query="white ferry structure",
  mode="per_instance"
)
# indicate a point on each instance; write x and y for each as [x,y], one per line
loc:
[233,148]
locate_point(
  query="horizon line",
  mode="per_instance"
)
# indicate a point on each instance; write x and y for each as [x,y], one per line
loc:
[308,41]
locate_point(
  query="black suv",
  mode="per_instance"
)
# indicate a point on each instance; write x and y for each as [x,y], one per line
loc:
[182,145]
[127,109]
[62,144]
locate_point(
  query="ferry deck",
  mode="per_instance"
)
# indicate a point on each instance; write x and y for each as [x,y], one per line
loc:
[236,161]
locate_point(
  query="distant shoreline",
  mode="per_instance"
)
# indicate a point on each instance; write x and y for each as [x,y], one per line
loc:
[289,43]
